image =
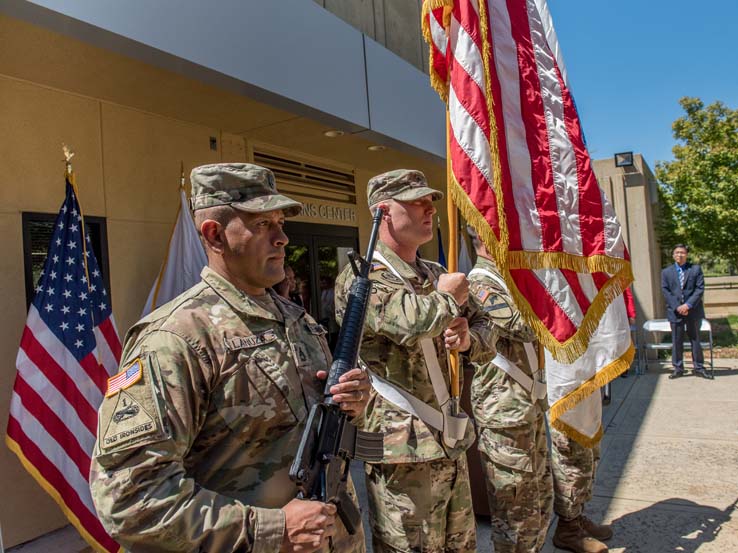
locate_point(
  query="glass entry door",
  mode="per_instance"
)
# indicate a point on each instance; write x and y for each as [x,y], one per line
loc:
[317,254]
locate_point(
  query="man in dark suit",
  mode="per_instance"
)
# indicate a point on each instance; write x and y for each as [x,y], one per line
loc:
[683,286]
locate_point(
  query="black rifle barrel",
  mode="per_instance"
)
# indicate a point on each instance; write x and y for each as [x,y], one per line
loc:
[346,353]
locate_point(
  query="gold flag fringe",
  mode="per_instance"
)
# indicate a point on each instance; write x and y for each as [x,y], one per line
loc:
[439,84]
[602,377]
[574,434]
[55,495]
[573,348]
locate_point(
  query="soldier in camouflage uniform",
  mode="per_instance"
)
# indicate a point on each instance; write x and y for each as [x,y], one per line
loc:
[419,496]
[574,468]
[510,419]
[197,433]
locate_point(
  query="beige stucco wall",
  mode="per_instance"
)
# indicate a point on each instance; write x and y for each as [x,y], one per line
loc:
[130,125]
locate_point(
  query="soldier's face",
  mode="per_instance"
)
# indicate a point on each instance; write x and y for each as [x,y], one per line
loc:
[254,250]
[412,222]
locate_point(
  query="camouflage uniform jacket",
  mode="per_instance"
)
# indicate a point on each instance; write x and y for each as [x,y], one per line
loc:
[498,401]
[194,456]
[396,321]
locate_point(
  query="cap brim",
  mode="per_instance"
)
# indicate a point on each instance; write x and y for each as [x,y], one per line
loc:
[417,193]
[272,202]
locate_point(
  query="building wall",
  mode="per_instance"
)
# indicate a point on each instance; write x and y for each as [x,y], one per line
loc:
[395,24]
[632,191]
[130,125]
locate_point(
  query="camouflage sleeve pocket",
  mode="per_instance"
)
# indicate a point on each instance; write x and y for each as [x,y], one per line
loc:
[131,414]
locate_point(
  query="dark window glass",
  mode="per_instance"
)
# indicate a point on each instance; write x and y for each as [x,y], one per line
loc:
[37,231]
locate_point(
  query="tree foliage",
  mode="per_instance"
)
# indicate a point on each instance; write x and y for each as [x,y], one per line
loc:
[699,188]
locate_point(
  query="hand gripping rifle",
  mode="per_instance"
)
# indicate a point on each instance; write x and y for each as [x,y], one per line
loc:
[330,441]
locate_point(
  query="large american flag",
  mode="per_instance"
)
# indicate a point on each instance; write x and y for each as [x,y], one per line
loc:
[521,175]
[68,350]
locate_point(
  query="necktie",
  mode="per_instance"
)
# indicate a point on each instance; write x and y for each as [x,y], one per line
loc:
[681,277]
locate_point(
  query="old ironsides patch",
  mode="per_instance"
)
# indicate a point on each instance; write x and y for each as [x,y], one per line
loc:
[128,421]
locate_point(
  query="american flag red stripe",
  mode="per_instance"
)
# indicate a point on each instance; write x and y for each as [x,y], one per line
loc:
[58,377]
[523,172]
[68,349]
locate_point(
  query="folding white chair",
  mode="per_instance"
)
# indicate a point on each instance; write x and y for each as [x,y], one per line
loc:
[652,340]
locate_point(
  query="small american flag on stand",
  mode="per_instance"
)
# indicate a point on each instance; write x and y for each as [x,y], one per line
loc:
[68,350]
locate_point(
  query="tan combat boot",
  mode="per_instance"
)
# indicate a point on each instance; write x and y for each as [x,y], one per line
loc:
[602,532]
[571,536]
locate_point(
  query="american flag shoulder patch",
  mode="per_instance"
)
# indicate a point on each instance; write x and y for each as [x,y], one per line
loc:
[125,378]
[482,295]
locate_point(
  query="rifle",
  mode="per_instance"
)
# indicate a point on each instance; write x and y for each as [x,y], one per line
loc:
[330,441]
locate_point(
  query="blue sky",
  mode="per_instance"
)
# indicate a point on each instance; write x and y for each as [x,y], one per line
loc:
[630,61]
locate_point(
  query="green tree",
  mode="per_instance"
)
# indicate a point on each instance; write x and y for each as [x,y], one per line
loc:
[699,188]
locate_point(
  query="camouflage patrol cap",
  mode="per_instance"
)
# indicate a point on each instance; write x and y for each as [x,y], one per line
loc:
[243,186]
[401,184]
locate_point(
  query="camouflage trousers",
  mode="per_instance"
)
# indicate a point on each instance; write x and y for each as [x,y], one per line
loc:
[421,507]
[574,468]
[519,485]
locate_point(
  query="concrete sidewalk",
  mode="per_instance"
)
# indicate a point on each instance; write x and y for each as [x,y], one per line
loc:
[668,479]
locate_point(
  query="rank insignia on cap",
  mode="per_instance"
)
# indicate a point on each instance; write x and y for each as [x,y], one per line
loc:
[125,378]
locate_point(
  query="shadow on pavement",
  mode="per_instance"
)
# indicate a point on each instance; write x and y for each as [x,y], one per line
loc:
[663,529]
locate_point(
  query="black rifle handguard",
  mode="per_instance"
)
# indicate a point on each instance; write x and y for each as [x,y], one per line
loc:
[329,442]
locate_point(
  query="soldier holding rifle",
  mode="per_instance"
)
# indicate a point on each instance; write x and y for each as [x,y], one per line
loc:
[197,433]
[419,495]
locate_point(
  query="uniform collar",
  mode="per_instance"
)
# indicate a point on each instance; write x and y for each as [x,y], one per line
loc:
[487,265]
[400,265]
[243,303]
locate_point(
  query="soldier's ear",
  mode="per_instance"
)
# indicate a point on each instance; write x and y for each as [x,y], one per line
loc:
[213,235]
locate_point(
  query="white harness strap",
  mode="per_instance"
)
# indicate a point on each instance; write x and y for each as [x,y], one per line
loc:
[533,385]
[453,427]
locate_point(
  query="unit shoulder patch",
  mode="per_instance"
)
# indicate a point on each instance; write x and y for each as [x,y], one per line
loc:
[499,309]
[128,420]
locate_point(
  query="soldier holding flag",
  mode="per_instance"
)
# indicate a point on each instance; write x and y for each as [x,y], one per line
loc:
[419,495]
